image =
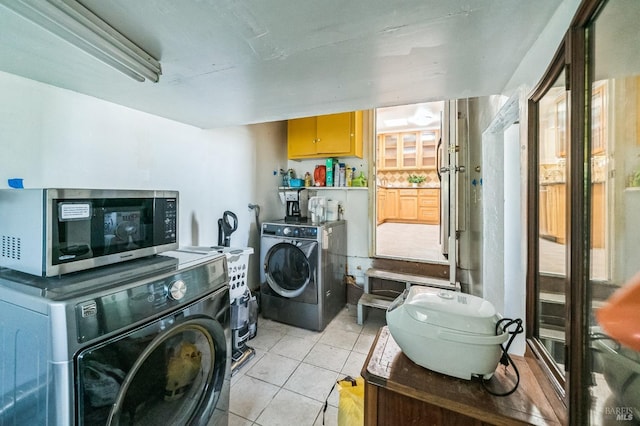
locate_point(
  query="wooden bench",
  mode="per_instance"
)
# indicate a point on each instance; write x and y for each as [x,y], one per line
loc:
[368,300]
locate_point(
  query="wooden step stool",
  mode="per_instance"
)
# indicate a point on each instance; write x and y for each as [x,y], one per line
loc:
[368,300]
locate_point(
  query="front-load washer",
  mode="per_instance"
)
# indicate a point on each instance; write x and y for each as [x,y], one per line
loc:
[140,343]
[302,272]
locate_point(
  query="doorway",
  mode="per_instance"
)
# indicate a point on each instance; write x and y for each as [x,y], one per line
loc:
[408,198]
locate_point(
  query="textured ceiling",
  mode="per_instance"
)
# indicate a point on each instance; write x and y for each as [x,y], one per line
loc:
[233,62]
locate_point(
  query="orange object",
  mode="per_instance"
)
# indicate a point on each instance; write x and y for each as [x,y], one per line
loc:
[319,175]
[620,317]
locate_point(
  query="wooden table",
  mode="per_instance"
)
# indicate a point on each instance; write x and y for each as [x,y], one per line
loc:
[399,392]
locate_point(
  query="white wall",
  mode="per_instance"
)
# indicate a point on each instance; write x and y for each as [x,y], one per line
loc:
[493,213]
[504,207]
[53,137]
[538,58]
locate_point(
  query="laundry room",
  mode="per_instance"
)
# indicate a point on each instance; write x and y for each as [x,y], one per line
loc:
[209,215]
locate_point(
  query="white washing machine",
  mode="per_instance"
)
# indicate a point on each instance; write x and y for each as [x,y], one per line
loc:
[141,342]
[302,272]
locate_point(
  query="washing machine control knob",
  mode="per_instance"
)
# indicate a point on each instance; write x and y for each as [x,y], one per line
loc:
[286,231]
[177,290]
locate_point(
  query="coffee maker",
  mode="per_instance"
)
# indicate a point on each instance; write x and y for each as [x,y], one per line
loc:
[296,201]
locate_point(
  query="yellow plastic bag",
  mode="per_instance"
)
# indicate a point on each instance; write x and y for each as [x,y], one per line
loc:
[351,403]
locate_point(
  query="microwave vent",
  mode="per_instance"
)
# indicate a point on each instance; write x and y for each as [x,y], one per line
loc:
[10,247]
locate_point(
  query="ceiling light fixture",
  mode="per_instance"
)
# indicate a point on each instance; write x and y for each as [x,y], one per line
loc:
[395,122]
[71,21]
[422,117]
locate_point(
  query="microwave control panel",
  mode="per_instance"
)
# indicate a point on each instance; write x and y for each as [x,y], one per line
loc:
[170,219]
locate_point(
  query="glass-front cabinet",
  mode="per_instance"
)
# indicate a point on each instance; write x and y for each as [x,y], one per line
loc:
[409,150]
[389,152]
[428,145]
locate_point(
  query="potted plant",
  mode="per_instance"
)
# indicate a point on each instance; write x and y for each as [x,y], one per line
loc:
[415,180]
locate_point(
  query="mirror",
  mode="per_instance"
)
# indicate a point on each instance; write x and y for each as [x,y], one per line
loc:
[553,136]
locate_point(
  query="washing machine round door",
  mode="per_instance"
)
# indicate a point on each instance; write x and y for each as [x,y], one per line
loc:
[192,356]
[172,376]
[287,268]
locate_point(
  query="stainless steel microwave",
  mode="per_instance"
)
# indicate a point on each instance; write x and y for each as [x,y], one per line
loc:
[49,232]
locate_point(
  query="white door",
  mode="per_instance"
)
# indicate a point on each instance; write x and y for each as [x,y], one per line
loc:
[448,173]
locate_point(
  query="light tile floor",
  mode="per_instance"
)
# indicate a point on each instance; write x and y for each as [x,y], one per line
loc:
[291,375]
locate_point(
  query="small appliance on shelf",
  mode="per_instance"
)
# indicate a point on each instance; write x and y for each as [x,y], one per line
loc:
[317,209]
[296,201]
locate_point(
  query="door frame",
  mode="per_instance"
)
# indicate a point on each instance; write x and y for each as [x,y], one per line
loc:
[430,267]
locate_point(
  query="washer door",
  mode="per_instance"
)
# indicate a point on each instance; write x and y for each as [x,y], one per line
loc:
[287,267]
[161,374]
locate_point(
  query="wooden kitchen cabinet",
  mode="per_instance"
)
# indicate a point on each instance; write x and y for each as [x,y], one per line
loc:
[557,204]
[332,135]
[388,145]
[598,215]
[429,206]
[408,205]
[428,146]
[552,212]
[545,214]
[409,143]
[391,204]
[414,150]
[380,205]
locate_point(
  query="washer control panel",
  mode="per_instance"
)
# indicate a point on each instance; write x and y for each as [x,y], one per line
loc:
[289,230]
[149,297]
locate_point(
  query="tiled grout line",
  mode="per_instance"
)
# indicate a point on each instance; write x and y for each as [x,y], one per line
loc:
[347,315]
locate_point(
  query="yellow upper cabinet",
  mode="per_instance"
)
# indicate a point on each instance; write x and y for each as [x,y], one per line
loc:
[301,135]
[332,135]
